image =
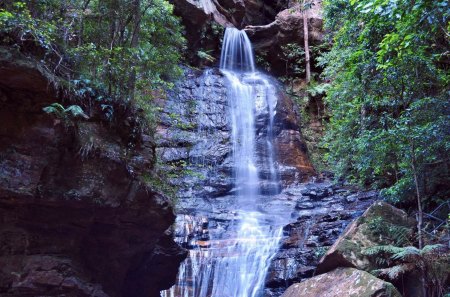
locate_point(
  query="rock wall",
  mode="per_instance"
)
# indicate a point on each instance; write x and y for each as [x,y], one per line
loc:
[75,220]
[194,142]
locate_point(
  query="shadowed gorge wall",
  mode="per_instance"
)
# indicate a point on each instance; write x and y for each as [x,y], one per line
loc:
[74,216]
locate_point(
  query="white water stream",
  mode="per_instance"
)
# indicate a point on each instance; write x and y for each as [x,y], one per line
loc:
[237,267]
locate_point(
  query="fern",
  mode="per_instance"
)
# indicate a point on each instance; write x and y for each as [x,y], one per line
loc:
[56,109]
[393,272]
[379,249]
[434,249]
[318,89]
[205,56]
[431,261]
[73,111]
[408,253]
[76,111]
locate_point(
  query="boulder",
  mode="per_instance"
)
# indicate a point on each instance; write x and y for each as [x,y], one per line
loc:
[348,282]
[373,228]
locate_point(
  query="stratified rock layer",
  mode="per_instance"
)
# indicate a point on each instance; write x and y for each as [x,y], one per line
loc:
[340,282]
[74,218]
[194,142]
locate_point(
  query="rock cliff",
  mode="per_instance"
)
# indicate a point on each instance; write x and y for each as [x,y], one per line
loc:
[75,219]
[194,142]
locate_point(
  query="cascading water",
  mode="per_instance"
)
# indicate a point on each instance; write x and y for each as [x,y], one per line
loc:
[207,6]
[237,266]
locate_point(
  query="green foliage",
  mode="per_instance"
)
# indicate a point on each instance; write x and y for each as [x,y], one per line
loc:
[129,49]
[317,89]
[159,183]
[66,114]
[431,262]
[205,55]
[319,252]
[390,233]
[294,56]
[388,98]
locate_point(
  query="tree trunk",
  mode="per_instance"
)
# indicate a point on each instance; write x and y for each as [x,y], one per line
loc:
[306,38]
[419,200]
[420,211]
[134,44]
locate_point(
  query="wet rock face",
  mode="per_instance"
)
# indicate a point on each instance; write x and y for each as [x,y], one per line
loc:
[343,282]
[322,212]
[194,141]
[74,218]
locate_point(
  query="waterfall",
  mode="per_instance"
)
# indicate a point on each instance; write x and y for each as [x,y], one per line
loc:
[207,6]
[237,266]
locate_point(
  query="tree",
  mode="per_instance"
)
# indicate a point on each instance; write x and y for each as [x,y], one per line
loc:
[126,47]
[388,101]
[306,5]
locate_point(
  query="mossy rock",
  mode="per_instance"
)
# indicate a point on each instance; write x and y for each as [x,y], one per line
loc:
[381,224]
[348,282]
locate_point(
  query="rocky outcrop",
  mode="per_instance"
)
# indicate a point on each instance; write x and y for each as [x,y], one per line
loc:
[322,210]
[343,282]
[75,219]
[262,12]
[287,28]
[381,224]
[204,21]
[235,13]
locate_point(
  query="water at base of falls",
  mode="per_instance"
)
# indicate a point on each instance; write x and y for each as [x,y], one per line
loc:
[237,266]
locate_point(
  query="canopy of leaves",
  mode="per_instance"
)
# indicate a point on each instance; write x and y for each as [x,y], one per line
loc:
[389,97]
[126,47]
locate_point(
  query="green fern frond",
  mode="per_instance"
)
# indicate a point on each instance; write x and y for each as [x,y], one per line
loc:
[205,55]
[56,109]
[63,113]
[408,253]
[394,272]
[380,249]
[76,111]
[400,234]
[433,249]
